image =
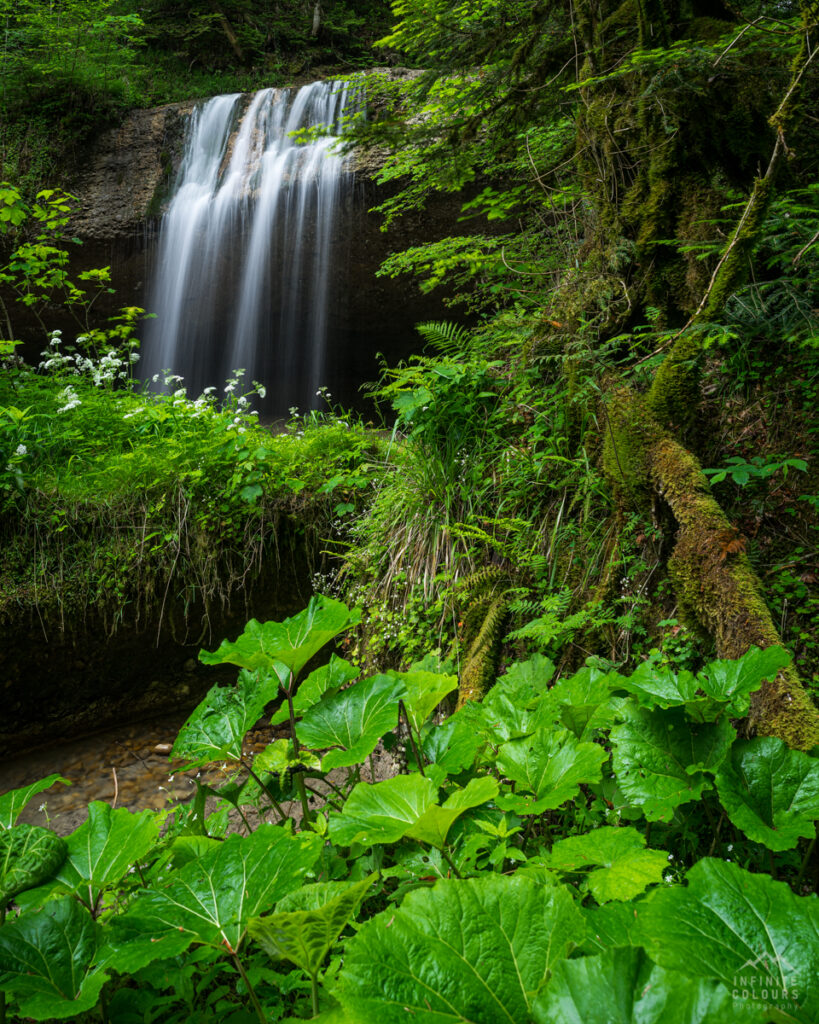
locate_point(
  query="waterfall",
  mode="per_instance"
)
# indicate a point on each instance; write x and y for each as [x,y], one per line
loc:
[243,278]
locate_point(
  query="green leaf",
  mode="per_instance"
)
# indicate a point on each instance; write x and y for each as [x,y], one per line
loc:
[425,691]
[354,720]
[45,961]
[216,728]
[452,745]
[478,950]
[211,899]
[658,686]
[609,926]
[660,758]
[304,937]
[382,813]
[324,681]
[434,824]
[626,868]
[292,642]
[622,986]
[279,755]
[732,682]
[747,930]
[28,856]
[13,802]
[770,792]
[100,852]
[517,704]
[585,701]
[551,764]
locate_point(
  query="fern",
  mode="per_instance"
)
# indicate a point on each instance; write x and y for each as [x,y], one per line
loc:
[445,337]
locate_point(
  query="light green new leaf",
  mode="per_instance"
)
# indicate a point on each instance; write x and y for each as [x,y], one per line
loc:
[425,691]
[770,792]
[45,961]
[478,951]
[216,728]
[304,937]
[731,682]
[292,642]
[354,720]
[747,930]
[452,745]
[382,813]
[622,986]
[551,764]
[13,802]
[323,682]
[28,856]
[625,869]
[434,824]
[660,758]
[278,756]
[212,898]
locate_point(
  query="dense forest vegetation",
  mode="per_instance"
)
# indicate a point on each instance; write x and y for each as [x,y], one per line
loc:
[590,531]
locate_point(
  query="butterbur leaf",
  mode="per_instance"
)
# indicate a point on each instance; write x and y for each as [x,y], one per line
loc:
[746,930]
[660,758]
[216,728]
[624,867]
[46,958]
[434,824]
[323,682]
[478,950]
[354,720]
[28,856]
[551,764]
[12,803]
[584,702]
[292,642]
[100,852]
[623,986]
[770,792]
[382,812]
[452,745]
[731,682]
[609,926]
[212,899]
[658,686]
[304,937]
[425,691]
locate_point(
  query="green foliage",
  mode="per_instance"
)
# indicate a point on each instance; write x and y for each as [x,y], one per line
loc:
[506,882]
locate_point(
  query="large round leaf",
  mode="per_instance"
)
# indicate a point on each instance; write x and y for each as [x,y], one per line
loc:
[660,758]
[770,792]
[292,642]
[747,930]
[382,812]
[551,764]
[45,961]
[623,986]
[216,728]
[326,680]
[211,899]
[624,867]
[478,950]
[354,720]
[28,856]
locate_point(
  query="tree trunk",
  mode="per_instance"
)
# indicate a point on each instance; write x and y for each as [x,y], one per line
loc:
[227,28]
[314,31]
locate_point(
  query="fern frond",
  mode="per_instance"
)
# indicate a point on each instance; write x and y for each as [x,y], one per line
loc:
[445,337]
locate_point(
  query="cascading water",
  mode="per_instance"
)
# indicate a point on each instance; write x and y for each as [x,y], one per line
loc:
[243,275]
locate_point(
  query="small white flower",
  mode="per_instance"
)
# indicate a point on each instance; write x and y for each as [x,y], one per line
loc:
[230,387]
[208,391]
[671,856]
[21,449]
[261,391]
[42,807]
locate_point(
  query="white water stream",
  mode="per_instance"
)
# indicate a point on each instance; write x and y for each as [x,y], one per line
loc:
[243,273]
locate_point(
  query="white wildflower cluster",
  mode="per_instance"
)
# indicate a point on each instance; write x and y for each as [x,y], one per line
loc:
[111,368]
[71,399]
